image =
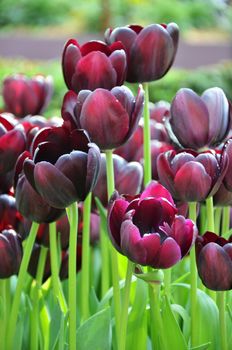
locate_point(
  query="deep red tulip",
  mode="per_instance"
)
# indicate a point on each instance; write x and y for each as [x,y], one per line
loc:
[10,253]
[9,215]
[110,117]
[199,121]
[128,178]
[192,176]
[12,142]
[214,261]
[146,229]
[24,96]
[150,50]
[159,111]
[93,65]
[62,160]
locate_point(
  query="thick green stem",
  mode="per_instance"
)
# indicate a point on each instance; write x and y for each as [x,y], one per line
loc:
[105,275]
[193,281]
[113,253]
[72,213]
[222,320]
[210,214]
[85,265]
[125,306]
[157,326]
[217,219]
[34,327]
[20,284]
[3,312]
[56,284]
[146,138]
[225,220]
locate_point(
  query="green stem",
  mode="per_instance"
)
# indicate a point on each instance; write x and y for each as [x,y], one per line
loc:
[3,313]
[56,284]
[193,281]
[113,253]
[203,219]
[72,212]
[167,282]
[217,219]
[34,327]
[20,284]
[104,243]
[225,220]
[222,320]
[125,306]
[146,138]
[160,342]
[85,265]
[210,214]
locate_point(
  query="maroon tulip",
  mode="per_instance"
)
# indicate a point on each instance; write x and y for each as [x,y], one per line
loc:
[10,253]
[23,96]
[9,215]
[200,121]
[62,160]
[214,261]
[228,178]
[12,142]
[191,176]
[222,197]
[93,65]
[159,111]
[146,229]
[6,182]
[110,117]
[150,50]
[128,178]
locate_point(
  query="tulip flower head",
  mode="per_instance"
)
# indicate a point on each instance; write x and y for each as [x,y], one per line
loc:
[93,65]
[147,230]
[10,253]
[24,96]
[214,261]
[200,121]
[150,51]
[109,117]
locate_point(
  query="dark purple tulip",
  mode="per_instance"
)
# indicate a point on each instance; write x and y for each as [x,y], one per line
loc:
[214,261]
[228,176]
[157,148]
[128,178]
[222,197]
[12,142]
[6,182]
[146,229]
[150,50]
[199,121]
[159,111]
[62,160]
[93,65]
[192,176]
[10,253]
[24,96]
[110,117]
[9,215]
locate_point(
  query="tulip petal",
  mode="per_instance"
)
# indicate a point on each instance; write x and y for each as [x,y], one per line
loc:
[169,254]
[156,190]
[115,219]
[192,182]
[93,167]
[70,57]
[119,63]
[48,180]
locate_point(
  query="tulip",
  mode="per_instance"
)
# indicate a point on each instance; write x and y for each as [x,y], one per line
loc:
[9,216]
[150,50]
[24,96]
[200,121]
[62,160]
[227,181]
[222,197]
[93,65]
[12,142]
[10,253]
[110,117]
[192,176]
[128,178]
[214,261]
[146,229]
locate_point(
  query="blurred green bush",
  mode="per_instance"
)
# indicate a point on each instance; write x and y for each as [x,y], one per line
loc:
[164,89]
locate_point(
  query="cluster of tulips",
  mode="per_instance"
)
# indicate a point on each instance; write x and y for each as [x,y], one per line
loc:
[108,213]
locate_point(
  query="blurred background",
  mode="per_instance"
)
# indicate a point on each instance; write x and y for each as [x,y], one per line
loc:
[33,33]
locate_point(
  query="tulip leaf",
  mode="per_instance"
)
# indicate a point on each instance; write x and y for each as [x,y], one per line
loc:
[178,309]
[95,333]
[174,337]
[202,347]
[137,322]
